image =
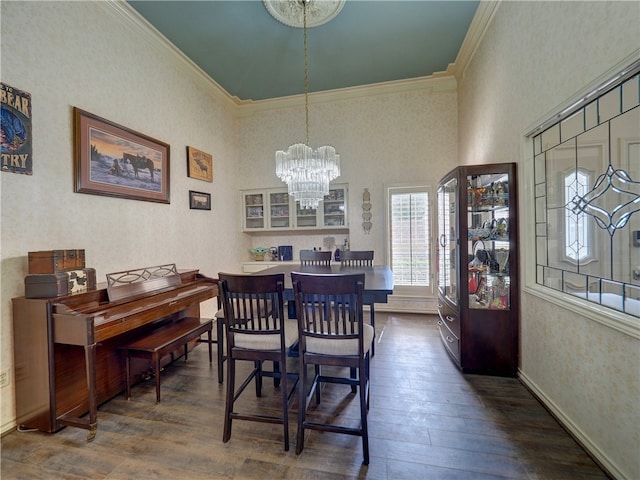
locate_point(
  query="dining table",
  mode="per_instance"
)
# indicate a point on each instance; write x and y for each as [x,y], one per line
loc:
[378,280]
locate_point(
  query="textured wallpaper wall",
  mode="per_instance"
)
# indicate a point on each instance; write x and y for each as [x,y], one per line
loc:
[533,57]
[382,140]
[80,54]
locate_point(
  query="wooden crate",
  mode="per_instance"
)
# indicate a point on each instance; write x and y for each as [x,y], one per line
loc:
[56,261]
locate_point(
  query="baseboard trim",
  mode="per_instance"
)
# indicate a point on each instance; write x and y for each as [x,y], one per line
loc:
[572,429]
[386,309]
[409,304]
[8,428]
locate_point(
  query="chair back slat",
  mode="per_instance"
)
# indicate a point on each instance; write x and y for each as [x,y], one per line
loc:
[356,258]
[329,306]
[315,257]
[253,304]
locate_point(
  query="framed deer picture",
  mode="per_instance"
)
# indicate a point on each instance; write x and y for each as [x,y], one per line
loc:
[199,164]
[115,161]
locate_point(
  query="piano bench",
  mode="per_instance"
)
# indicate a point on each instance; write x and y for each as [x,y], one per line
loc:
[163,341]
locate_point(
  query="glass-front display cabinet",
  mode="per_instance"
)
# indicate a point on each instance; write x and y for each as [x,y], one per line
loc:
[275,210]
[306,217]
[477,267]
[334,208]
[279,208]
[253,204]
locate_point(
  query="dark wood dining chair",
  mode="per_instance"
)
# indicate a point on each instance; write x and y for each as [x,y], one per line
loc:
[220,339]
[318,258]
[361,258]
[356,258]
[257,331]
[332,333]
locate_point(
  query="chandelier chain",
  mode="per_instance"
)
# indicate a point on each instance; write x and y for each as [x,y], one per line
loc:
[307,171]
[306,74]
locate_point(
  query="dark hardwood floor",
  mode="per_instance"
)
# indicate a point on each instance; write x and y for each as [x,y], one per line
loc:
[426,421]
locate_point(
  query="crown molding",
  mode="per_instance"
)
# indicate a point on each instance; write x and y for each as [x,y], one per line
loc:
[129,17]
[481,21]
[438,82]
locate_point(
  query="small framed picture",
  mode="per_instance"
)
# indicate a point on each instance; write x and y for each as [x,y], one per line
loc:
[199,200]
[199,164]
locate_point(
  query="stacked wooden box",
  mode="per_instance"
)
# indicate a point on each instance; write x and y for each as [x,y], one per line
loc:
[53,273]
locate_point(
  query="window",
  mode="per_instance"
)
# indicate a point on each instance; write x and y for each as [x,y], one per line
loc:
[409,233]
[577,243]
[586,168]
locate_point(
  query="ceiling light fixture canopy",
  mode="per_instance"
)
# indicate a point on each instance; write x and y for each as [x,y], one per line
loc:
[291,12]
[307,172]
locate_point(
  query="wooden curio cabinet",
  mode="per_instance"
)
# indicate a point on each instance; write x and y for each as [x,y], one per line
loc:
[477,268]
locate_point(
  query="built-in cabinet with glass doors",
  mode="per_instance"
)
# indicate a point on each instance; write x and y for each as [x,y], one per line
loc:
[477,267]
[275,210]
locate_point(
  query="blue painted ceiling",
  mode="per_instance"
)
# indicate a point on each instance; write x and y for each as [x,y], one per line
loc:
[255,57]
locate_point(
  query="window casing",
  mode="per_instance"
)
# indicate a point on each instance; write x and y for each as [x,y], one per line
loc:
[586,164]
[409,238]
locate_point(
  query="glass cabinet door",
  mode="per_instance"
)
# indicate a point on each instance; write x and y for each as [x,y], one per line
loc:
[279,210]
[488,241]
[306,217]
[334,208]
[253,211]
[447,240]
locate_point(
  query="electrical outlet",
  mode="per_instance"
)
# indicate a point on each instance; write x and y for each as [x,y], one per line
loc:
[4,378]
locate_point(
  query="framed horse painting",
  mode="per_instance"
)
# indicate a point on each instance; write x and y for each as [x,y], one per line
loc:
[115,161]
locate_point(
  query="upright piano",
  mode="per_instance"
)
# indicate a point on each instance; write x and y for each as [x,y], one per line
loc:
[67,357]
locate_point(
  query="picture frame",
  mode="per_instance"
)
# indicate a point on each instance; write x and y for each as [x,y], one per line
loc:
[116,161]
[199,164]
[199,200]
[16,145]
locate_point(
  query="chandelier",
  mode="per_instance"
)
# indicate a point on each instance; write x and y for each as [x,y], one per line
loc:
[306,171]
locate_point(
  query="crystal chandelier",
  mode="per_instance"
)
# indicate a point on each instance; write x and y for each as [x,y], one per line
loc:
[307,172]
